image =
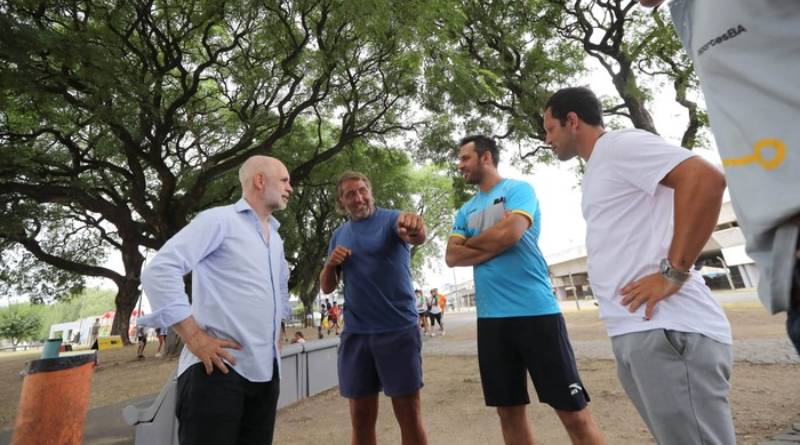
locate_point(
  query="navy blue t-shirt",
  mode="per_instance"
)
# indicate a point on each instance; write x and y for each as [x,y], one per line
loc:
[378,292]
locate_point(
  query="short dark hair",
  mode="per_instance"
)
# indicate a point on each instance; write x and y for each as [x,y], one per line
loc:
[482,145]
[578,100]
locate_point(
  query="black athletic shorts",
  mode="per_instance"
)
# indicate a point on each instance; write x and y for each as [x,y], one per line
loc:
[508,347]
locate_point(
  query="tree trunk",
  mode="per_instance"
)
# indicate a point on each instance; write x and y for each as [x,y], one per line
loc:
[689,139]
[308,296]
[174,344]
[128,289]
[625,84]
[127,296]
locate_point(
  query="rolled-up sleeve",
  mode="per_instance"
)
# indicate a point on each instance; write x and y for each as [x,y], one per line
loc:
[162,278]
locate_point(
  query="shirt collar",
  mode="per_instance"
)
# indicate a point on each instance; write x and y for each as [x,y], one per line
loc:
[243,206]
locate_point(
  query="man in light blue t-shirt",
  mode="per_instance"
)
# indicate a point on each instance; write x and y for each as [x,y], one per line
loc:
[497,232]
[380,347]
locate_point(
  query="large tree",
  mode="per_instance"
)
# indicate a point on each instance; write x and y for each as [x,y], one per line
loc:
[120,120]
[492,65]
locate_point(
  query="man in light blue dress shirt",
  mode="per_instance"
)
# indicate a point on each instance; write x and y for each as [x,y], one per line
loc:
[229,371]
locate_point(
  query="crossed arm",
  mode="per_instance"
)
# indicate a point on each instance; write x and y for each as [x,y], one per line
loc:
[489,243]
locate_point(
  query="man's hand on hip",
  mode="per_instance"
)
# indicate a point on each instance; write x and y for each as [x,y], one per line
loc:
[212,351]
[648,290]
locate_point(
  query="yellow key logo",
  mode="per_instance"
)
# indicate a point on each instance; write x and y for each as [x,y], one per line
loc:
[758,155]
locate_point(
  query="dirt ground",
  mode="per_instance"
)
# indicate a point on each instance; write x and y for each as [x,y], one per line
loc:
[765,397]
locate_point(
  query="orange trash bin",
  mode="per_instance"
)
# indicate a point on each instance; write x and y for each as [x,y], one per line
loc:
[54,400]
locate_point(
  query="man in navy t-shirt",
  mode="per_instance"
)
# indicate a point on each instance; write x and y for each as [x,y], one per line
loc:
[380,345]
[497,232]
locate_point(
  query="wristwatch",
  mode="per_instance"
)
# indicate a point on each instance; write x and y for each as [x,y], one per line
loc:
[671,273]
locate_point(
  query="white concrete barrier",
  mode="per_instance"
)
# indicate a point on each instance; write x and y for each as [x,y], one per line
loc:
[306,369]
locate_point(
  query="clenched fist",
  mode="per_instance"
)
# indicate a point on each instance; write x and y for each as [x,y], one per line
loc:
[338,256]
[409,224]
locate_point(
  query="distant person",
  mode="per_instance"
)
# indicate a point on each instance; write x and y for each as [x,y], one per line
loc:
[298,338]
[442,301]
[229,371]
[497,232]
[94,333]
[380,345]
[422,311]
[745,54]
[650,207]
[333,318]
[161,333]
[141,338]
[435,312]
[323,319]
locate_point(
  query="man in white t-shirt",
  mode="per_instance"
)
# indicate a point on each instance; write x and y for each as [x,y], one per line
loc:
[650,207]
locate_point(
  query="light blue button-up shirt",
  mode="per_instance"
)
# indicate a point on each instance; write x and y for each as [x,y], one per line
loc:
[239,285]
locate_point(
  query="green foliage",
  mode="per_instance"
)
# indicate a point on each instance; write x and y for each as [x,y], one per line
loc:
[120,121]
[489,69]
[312,214]
[436,202]
[19,322]
[90,302]
[21,274]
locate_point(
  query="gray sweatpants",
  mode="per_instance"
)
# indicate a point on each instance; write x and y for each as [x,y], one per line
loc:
[679,383]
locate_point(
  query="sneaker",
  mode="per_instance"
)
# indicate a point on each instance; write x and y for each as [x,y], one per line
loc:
[158,354]
[442,333]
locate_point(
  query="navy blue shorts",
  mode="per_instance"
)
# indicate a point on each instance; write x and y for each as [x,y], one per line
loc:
[390,361]
[508,347]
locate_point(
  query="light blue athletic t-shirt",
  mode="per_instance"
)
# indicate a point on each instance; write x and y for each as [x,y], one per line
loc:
[378,292]
[516,282]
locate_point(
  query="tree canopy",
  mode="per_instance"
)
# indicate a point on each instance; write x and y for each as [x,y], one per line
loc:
[19,322]
[122,119]
[119,121]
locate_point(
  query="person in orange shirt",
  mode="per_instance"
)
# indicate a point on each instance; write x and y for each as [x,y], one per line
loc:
[442,299]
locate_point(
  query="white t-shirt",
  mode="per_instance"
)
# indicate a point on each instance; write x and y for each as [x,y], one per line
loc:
[629,219]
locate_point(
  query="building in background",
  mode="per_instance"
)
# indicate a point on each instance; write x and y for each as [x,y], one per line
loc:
[723,264]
